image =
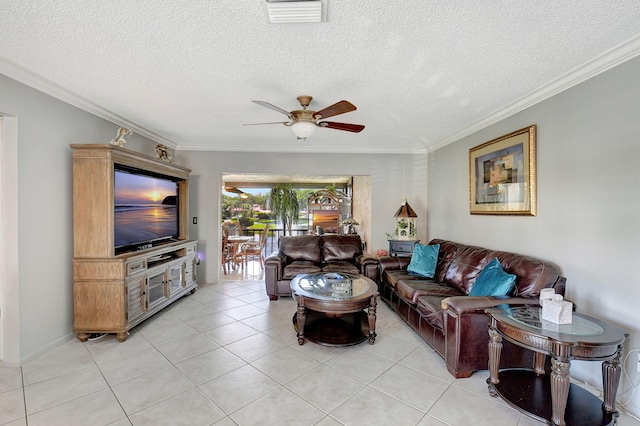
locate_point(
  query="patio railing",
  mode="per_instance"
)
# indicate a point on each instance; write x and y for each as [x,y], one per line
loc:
[272,239]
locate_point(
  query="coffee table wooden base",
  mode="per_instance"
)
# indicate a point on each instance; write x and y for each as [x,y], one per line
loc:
[531,394]
[331,315]
[349,329]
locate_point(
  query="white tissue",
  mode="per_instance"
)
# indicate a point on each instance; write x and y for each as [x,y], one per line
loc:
[546,294]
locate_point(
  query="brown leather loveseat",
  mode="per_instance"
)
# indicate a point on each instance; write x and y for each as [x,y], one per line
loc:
[306,254]
[447,318]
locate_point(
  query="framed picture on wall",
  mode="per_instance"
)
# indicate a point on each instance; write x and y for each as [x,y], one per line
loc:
[502,175]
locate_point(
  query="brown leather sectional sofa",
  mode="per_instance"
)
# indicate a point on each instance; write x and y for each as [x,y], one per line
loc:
[306,254]
[449,320]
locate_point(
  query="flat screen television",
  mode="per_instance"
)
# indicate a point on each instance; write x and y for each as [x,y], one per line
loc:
[145,209]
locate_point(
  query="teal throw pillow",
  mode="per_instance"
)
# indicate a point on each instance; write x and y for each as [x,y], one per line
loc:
[493,281]
[424,260]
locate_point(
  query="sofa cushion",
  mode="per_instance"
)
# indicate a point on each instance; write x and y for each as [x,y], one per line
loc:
[533,274]
[445,255]
[465,267]
[300,267]
[392,277]
[430,308]
[411,290]
[424,260]
[340,247]
[300,247]
[340,266]
[493,281]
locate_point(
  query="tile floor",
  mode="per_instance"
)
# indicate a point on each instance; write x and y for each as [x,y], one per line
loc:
[226,355]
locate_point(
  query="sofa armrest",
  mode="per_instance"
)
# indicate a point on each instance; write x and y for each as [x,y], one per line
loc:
[466,330]
[276,258]
[366,257]
[273,271]
[368,266]
[393,263]
[560,285]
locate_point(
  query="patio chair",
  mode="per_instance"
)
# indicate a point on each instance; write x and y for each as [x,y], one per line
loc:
[253,250]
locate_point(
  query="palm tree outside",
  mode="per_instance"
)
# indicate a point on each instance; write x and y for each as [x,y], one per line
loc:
[283,202]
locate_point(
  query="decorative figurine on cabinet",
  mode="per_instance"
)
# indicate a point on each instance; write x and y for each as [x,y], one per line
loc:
[163,153]
[119,139]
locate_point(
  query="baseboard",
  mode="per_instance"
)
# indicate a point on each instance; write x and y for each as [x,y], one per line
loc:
[46,348]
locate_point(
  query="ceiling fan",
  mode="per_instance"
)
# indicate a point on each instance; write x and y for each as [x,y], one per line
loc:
[305,121]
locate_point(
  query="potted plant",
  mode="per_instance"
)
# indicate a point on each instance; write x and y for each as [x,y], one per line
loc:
[283,202]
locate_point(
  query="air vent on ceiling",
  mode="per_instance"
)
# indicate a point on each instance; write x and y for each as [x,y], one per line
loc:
[291,12]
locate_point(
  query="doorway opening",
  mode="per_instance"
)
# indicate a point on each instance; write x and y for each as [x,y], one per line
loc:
[245,200]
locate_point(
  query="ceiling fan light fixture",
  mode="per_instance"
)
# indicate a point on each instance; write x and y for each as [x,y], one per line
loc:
[292,12]
[303,129]
[303,122]
[234,190]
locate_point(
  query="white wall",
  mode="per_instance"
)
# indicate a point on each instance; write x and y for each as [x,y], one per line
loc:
[9,282]
[39,278]
[588,222]
[393,178]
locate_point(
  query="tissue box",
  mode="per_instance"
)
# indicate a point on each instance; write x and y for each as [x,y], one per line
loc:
[547,293]
[557,311]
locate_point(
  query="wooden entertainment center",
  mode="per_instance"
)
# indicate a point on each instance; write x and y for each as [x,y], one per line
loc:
[115,292]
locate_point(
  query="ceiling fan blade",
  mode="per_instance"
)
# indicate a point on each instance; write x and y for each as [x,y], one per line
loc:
[273,107]
[335,109]
[355,128]
[272,122]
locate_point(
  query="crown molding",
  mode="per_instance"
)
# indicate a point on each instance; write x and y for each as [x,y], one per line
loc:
[300,149]
[610,59]
[37,82]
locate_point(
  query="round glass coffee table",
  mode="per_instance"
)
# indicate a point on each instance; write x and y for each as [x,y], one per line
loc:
[334,309]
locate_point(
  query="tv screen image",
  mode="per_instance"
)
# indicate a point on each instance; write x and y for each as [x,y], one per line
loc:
[146,208]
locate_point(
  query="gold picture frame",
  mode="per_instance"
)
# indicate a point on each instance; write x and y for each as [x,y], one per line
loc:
[502,175]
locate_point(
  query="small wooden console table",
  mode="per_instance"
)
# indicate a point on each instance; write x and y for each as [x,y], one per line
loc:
[402,247]
[553,399]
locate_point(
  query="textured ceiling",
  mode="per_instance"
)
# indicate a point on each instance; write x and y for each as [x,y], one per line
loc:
[421,72]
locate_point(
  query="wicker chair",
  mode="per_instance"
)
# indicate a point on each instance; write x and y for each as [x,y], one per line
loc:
[253,250]
[224,256]
[229,249]
[232,228]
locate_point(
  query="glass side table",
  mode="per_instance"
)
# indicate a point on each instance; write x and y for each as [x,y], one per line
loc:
[553,399]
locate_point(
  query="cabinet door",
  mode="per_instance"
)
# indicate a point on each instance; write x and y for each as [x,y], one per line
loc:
[176,281]
[137,298]
[190,271]
[156,289]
